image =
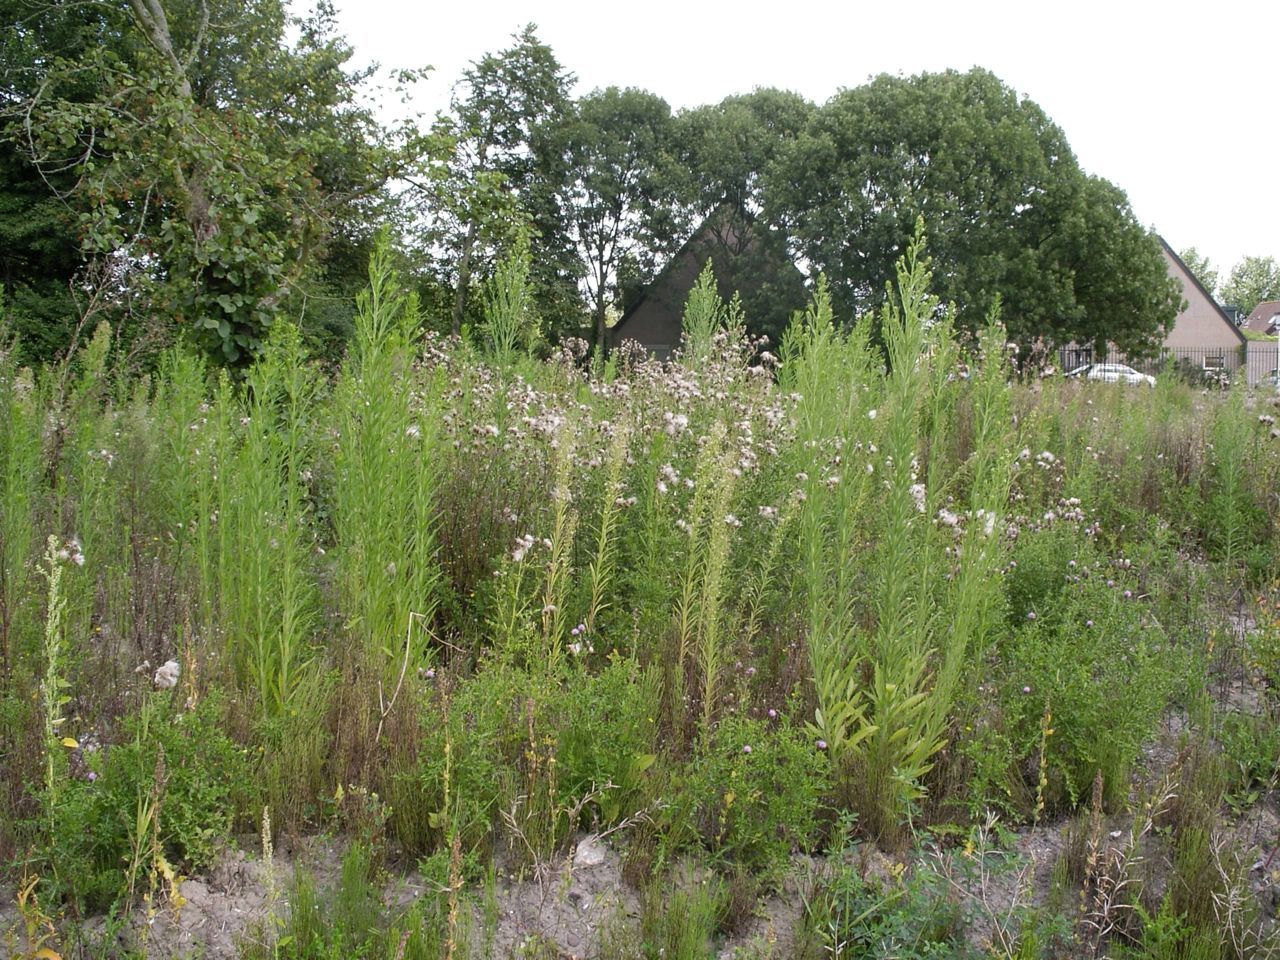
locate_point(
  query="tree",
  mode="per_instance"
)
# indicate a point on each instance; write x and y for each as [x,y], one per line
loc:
[478,206]
[206,154]
[1252,281]
[726,147]
[1200,268]
[1007,211]
[611,157]
[40,255]
[725,150]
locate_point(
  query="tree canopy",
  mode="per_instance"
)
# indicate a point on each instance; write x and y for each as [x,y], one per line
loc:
[1200,268]
[1252,281]
[1008,211]
[493,182]
[211,157]
[221,166]
[612,164]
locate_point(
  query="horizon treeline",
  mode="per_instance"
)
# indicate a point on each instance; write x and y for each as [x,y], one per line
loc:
[198,169]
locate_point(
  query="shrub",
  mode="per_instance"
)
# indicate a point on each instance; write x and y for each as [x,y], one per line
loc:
[1083,682]
[181,764]
[753,793]
[467,738]
[910,918]
[607,737]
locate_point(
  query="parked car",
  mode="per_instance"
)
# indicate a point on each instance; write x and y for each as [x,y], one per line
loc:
[1111,373]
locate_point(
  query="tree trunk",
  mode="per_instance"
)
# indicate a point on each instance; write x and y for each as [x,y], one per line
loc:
[464,278]
[601,332]
[153,21]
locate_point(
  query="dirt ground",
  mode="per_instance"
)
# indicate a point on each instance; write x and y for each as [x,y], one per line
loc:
[584,895]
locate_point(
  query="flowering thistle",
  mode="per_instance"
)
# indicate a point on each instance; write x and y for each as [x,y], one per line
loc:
[918,494]
[166,677]
[523,545]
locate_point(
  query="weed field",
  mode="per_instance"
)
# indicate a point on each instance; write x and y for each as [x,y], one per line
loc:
[868,646]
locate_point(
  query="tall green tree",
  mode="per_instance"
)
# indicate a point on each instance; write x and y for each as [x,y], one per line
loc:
[1200,268]
[40,255]
[212,158]
[492,183]
[726,148]
[611,157]
[725,151]
[1007,210]
[1252,280]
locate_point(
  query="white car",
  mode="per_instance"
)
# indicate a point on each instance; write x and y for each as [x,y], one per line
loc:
[1112,373]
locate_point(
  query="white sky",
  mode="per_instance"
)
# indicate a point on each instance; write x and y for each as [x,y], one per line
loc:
[1177,104]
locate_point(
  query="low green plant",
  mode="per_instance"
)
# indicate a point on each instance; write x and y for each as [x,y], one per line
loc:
[752,795]
[1251,746]
[1232,520]
[350,920]
[909,917]
[1167,935]
[173,789]
[468,739]
[1090,660]
[607,739]
[680,915]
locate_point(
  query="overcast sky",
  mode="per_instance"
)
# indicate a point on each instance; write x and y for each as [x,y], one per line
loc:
[1179,105]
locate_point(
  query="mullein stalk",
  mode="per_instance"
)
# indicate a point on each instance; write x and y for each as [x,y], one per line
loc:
[601,568]
[712,589]
[564,522]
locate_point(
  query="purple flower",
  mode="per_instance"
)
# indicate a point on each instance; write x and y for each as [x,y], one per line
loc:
[822,744]
[1026,689]
[1128,594]
[1088,623]
[1031,614]
[751,671]
[92,776]
[746,748]
[773,714]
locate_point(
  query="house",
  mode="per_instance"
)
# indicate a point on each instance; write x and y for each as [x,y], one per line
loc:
[1202,332]
[747,261]
[1265,319]
[1203,336]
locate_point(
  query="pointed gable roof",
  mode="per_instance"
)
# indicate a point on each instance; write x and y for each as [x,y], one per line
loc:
[1201,310]
[1265,318]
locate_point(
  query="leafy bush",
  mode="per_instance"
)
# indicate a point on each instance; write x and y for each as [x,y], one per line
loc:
[1083,681]
[607,737]
[180,764]
[1251,745]
[911,918]
[752,794]
[468,739]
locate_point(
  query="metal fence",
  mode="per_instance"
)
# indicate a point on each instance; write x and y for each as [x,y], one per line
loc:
[1258,360]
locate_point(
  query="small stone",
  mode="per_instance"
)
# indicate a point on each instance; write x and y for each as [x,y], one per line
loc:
[590,853]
